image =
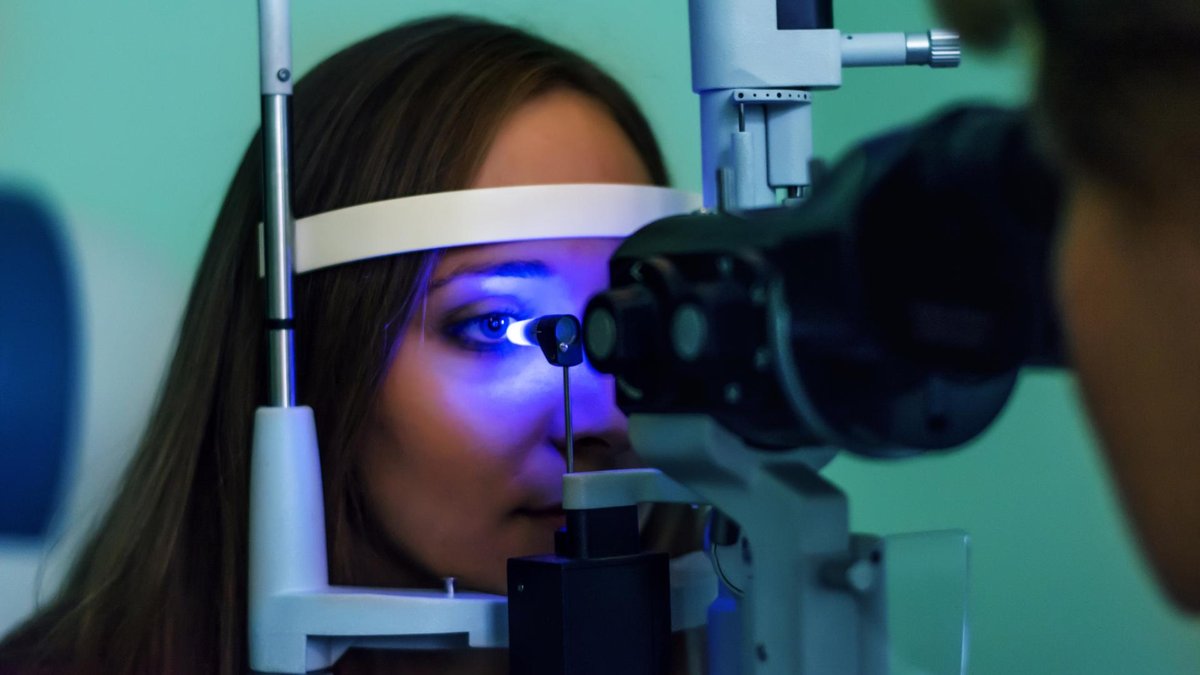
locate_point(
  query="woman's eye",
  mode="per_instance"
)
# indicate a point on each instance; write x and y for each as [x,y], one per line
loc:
[485,332]
[493,326]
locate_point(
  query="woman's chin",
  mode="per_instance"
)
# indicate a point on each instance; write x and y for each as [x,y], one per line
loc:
[535,536]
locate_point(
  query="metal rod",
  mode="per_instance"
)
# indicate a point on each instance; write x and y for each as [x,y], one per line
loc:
[277,249]
[275,79]
[567,414]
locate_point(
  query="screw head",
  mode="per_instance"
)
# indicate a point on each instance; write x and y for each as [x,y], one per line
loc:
[635,271]
[284,74]
[725,266]
[758,295]
[861,576]
[762,358]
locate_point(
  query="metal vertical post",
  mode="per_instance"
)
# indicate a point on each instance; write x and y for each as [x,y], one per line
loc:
[275,77]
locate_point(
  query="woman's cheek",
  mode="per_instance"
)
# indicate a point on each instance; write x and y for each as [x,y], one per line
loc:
[496,399]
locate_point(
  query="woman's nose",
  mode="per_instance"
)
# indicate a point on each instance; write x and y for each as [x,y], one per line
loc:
[600,429]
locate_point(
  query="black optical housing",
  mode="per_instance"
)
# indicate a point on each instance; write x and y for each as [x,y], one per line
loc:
[559,338]
[887,315]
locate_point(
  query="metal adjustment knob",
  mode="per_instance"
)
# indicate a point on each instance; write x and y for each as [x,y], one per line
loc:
[936,49]
[945,49]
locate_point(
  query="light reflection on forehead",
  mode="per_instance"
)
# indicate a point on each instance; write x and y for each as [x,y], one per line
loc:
[513,269]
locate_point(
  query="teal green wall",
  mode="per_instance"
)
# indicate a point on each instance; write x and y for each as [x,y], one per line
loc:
[131,116]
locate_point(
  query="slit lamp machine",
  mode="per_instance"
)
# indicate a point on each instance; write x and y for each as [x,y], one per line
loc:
[882,307]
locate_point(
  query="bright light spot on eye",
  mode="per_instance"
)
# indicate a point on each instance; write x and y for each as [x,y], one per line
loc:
[518,333]
[495,325]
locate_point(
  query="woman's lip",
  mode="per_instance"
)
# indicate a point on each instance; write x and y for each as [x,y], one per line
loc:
[553,510]
[552,517]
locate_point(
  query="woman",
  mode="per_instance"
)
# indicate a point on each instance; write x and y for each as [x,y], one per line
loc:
[397,356]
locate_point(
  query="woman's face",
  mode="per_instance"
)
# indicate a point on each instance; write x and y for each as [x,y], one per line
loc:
[465,455]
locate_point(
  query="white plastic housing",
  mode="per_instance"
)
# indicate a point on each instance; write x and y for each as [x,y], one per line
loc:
[298,622]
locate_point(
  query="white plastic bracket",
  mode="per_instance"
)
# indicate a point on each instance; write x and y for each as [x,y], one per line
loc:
[298,622]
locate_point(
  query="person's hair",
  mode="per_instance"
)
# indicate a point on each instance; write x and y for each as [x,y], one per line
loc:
[161,584]
[1118,82]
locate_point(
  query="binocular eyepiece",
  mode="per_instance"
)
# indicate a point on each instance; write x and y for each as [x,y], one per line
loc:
[887,315]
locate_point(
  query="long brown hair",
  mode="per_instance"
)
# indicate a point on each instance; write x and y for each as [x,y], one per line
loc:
[161,585]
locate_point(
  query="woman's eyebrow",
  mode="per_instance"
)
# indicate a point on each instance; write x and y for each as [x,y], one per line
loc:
[525,269]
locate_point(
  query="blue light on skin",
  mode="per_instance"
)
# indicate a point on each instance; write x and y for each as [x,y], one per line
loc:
[464,441]
[482,324]
[464,459]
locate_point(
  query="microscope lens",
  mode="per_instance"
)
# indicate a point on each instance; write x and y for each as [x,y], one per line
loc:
[566,331]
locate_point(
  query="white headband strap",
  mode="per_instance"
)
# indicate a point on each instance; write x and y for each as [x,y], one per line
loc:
[483,216]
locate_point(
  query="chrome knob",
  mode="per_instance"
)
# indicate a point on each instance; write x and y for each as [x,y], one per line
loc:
[936,49]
